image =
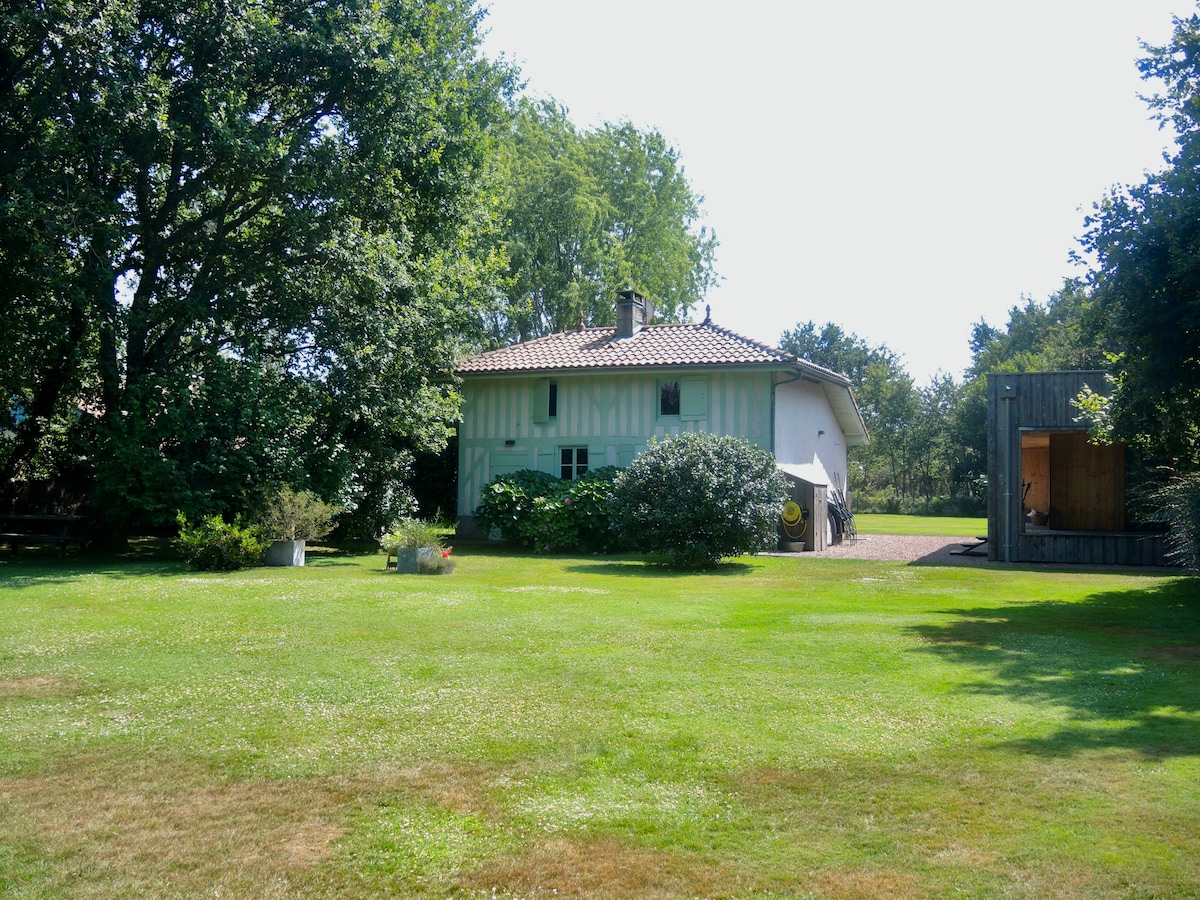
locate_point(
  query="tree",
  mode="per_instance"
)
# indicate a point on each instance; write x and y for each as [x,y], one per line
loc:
[588,213]
[1146,243]
[1066,332]
[246,236]
[832,348]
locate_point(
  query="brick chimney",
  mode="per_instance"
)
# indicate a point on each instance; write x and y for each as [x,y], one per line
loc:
[633,313]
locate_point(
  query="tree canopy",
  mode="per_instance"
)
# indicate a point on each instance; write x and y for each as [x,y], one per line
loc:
[1146,242]
[243,239]
[588,213]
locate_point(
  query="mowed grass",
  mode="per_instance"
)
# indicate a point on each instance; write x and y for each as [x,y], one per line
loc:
[934,526]
[588,727]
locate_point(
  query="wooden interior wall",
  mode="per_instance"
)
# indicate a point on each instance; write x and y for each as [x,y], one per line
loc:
[1035,470]
[1087,492]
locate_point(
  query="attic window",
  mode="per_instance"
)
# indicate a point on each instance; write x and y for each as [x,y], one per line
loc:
[668,398]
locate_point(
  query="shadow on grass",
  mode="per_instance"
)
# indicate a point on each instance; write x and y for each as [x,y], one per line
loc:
[652,569]
[1124,664]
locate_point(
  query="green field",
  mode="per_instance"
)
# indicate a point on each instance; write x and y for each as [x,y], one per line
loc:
[937,526]
[590,727]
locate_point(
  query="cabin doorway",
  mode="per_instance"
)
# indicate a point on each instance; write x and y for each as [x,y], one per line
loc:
[1069,483]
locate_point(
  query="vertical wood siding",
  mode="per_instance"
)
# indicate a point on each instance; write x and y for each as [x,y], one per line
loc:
[1041,401]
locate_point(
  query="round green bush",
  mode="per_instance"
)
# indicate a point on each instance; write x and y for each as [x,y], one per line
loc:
[698,498]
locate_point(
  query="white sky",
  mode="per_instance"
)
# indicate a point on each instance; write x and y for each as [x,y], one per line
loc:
[901,169]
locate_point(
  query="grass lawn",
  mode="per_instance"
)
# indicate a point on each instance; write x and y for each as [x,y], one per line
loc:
[586,727]
[937,526]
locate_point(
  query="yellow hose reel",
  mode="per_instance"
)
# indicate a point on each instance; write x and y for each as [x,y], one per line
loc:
[794,520]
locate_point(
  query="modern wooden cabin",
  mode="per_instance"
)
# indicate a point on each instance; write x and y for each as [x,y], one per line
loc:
[1053,495]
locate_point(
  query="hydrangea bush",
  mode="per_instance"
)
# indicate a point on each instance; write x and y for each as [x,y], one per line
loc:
[541,512]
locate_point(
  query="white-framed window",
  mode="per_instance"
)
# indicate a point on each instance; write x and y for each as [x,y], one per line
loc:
[573,462]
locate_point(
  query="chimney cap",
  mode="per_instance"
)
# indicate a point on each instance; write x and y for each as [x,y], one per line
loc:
[629,294]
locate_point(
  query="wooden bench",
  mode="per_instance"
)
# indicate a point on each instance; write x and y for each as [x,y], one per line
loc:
[19,530]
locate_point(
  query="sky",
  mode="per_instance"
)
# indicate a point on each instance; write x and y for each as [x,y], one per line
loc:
[900,169]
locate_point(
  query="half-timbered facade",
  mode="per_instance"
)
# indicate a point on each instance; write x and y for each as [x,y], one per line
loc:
[596,396]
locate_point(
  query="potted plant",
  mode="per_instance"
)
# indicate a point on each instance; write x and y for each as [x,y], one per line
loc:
[408,540]
[292,518]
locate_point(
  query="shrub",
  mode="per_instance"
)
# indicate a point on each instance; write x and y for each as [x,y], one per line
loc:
[410,534]
[214,545]
[698,498]
[539,511]
[1176,505]
[290,515]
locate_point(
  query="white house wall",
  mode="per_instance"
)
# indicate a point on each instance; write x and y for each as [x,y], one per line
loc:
[613,414]
[808,439]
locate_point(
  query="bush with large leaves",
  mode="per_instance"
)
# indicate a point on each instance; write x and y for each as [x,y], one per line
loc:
[698,498]
[548,514]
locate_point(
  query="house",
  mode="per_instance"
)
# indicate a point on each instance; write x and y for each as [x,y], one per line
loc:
[1053,495]
[596,396]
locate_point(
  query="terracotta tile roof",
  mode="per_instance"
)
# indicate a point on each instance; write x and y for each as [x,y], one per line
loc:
[654,346]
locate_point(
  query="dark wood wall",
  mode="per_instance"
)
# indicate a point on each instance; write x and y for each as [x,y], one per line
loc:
[1087,491]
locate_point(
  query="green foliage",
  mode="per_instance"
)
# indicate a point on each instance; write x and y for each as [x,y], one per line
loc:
[548,514]
[1146,241]
[290,515]
[697,498]
[410,534]
[1176,504]
[215,545]
[916,453]
[588,213]
[249,236]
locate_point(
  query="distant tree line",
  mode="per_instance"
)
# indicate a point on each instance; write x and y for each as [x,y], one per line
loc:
[928,449]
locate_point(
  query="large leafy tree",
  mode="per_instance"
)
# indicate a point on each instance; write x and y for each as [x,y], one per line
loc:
[588,213]
[1146,241]
[243,237]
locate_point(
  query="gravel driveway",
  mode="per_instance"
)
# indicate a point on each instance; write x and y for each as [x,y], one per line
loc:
[902,548]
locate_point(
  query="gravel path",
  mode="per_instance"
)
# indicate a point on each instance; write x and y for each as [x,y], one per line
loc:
[903,548]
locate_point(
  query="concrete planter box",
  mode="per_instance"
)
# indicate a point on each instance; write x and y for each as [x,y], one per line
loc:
[413,560]
[285,553]
[407,559]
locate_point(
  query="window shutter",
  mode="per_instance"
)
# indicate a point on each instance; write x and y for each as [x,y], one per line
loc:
[693,398]
[541,401]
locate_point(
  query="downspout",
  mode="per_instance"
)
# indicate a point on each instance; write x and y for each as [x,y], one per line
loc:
[1007,397]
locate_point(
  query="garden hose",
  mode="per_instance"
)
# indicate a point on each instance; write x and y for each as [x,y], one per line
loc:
[794,520]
